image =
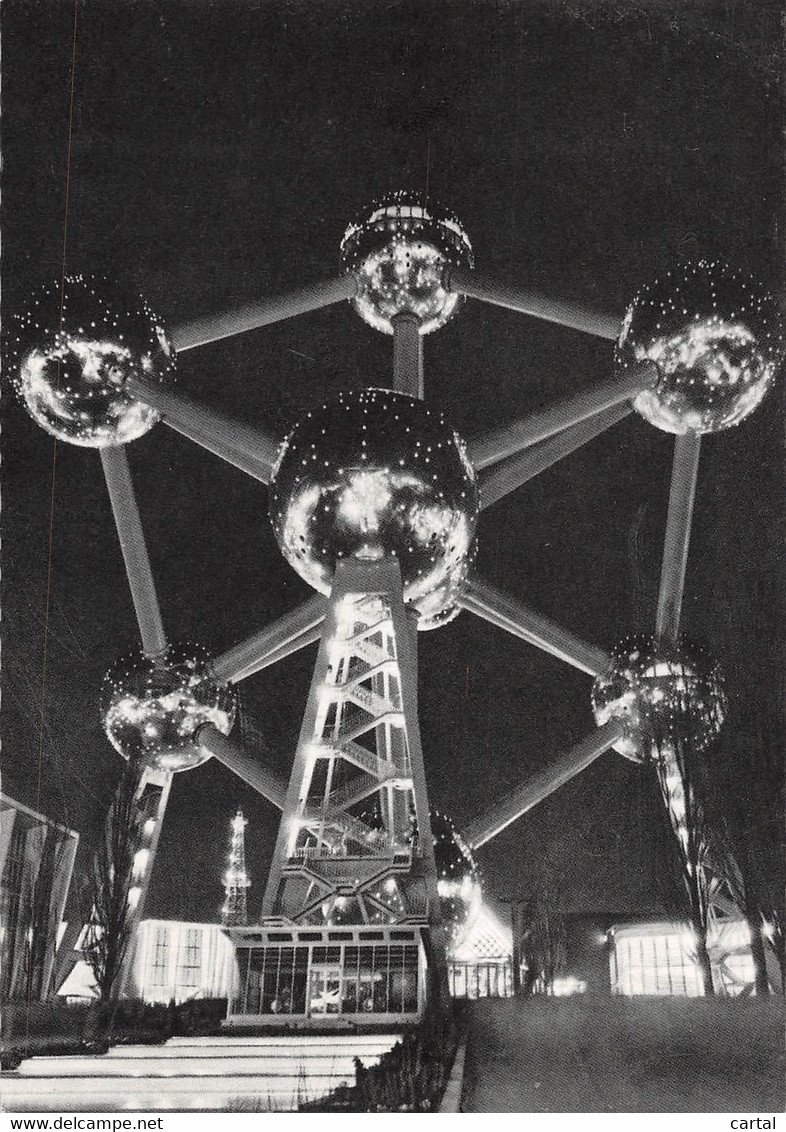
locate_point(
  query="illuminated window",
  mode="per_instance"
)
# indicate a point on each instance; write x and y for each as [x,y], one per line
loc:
[189,972]
[659,964]
[159,970]
[316,981]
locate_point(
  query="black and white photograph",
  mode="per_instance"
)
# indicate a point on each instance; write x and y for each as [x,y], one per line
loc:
[392,560]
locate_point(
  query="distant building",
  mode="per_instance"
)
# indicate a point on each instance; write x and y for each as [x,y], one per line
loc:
[658,958]
[608,956]
[36,863]
[481,963]
[172,960]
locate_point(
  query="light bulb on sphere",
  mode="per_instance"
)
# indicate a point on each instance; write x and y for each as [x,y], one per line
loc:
[372,474]
[72,351]
[399,251]
[716,337]
[153,706]
[458,878]
[665,694]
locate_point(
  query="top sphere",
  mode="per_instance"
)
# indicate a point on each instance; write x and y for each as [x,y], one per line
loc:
[372,474]
[664,693]
[73,350]
[716,338]
[398,251]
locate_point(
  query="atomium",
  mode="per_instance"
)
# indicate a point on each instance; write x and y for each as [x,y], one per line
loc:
[665,694]
[716,338]
[399,253]
[73,350]
[152,707]
[458,878]
[375,473]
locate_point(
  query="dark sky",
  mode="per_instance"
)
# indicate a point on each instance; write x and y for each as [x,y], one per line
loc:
[218,152]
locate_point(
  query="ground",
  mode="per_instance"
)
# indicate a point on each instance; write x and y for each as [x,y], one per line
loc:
[625,1055]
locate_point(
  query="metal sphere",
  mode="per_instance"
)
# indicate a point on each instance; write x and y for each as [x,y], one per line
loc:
[73,350]
[664,693]
[372,474]
[398,252]
[716,338]
[153,706]
[458,878]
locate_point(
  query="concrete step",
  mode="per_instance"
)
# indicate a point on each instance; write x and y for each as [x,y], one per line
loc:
[103,1094]
[258,1073]
[262,1047]
[217,1065]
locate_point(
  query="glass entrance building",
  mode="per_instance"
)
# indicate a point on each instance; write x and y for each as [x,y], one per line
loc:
[289,975]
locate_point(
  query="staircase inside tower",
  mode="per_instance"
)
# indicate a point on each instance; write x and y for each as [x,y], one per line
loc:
[355,850]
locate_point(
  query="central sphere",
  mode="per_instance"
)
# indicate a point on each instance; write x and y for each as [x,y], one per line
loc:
[74,349]
[373,474]
[399,252]
[664,693]
[152,706]
[715,336]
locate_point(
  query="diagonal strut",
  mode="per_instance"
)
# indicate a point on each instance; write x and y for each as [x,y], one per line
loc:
[132,544]
[512,615]
[263,312]
[542,784]
[292,631]
[500,480]
[535,427]
[473,284]
[249,449]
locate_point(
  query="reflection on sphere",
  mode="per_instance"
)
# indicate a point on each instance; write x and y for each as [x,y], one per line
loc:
[458,879]
[399,252]
[71,364]
[152,707]
[374,473]
[716,338]
[665,694]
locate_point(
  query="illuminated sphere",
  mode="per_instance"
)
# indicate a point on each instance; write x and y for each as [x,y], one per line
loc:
[458,878]
[716,338]
[399,253]
[373,473]
[664,693]
[71,365]
[152,707]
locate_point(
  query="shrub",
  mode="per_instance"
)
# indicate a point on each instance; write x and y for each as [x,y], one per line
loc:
[200,1016]
[409,1078]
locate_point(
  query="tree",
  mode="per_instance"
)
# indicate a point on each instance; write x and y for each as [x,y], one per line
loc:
[677,766]
[746,799]
[109,884]
[542,941]
[41,935]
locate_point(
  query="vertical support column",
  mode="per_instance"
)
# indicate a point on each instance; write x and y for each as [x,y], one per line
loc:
[405,628]
[407,355]
[152,795]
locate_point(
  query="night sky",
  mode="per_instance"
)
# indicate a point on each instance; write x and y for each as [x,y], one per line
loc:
[218,152]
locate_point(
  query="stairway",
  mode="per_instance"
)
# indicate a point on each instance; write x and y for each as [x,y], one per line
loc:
[235,1074]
